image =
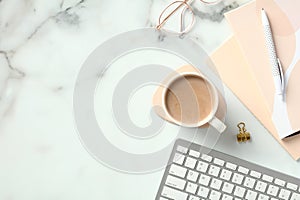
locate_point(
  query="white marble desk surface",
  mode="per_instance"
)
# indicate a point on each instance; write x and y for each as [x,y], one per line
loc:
[42,47]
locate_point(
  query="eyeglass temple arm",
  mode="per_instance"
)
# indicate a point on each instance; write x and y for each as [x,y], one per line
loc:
[167,17]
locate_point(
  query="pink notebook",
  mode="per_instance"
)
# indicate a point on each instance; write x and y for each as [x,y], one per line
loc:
[246,54]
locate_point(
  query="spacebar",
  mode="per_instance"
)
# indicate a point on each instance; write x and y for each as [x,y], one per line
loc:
[173,194]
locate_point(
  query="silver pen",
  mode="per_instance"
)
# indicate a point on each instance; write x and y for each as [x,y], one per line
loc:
[274,60]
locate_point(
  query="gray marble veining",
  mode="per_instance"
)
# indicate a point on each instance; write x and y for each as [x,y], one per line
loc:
[217,14]
[43,44]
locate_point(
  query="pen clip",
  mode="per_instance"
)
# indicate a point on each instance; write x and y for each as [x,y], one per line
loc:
[281,75]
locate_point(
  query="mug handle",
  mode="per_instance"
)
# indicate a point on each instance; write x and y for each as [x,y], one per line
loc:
[212,138]
[217,124]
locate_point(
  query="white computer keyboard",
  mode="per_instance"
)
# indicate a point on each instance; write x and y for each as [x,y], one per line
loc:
[194,175]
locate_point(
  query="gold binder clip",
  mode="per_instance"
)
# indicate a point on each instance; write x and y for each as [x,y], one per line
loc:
[242,136]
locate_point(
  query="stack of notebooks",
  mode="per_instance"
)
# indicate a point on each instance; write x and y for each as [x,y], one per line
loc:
[244,66]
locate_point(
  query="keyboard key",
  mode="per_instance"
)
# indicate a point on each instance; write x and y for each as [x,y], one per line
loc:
[193,198]
[225,174]
[216,183]
[161,198]
[261,186]
[191,188]
[274,198]
[231,166]
[279,182]
[206,157]
[263,197]
[249,182]
[267,178]
[227,187]
[202,166]
[215,195]
[295,196]
[214,170]
[182,149]
[227,197]
[177,170]
[192,175]
[239,191]
[203,192]
[218,161]
[251,195]
[255,174]
[178,158]
[204,179]
[272,190]
[291,186]
[174,194]
[190,162]
[193,153]
[175,182]
[284,194]
[237,178]
[243,170]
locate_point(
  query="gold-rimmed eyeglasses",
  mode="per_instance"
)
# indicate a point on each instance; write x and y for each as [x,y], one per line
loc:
[185,7]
